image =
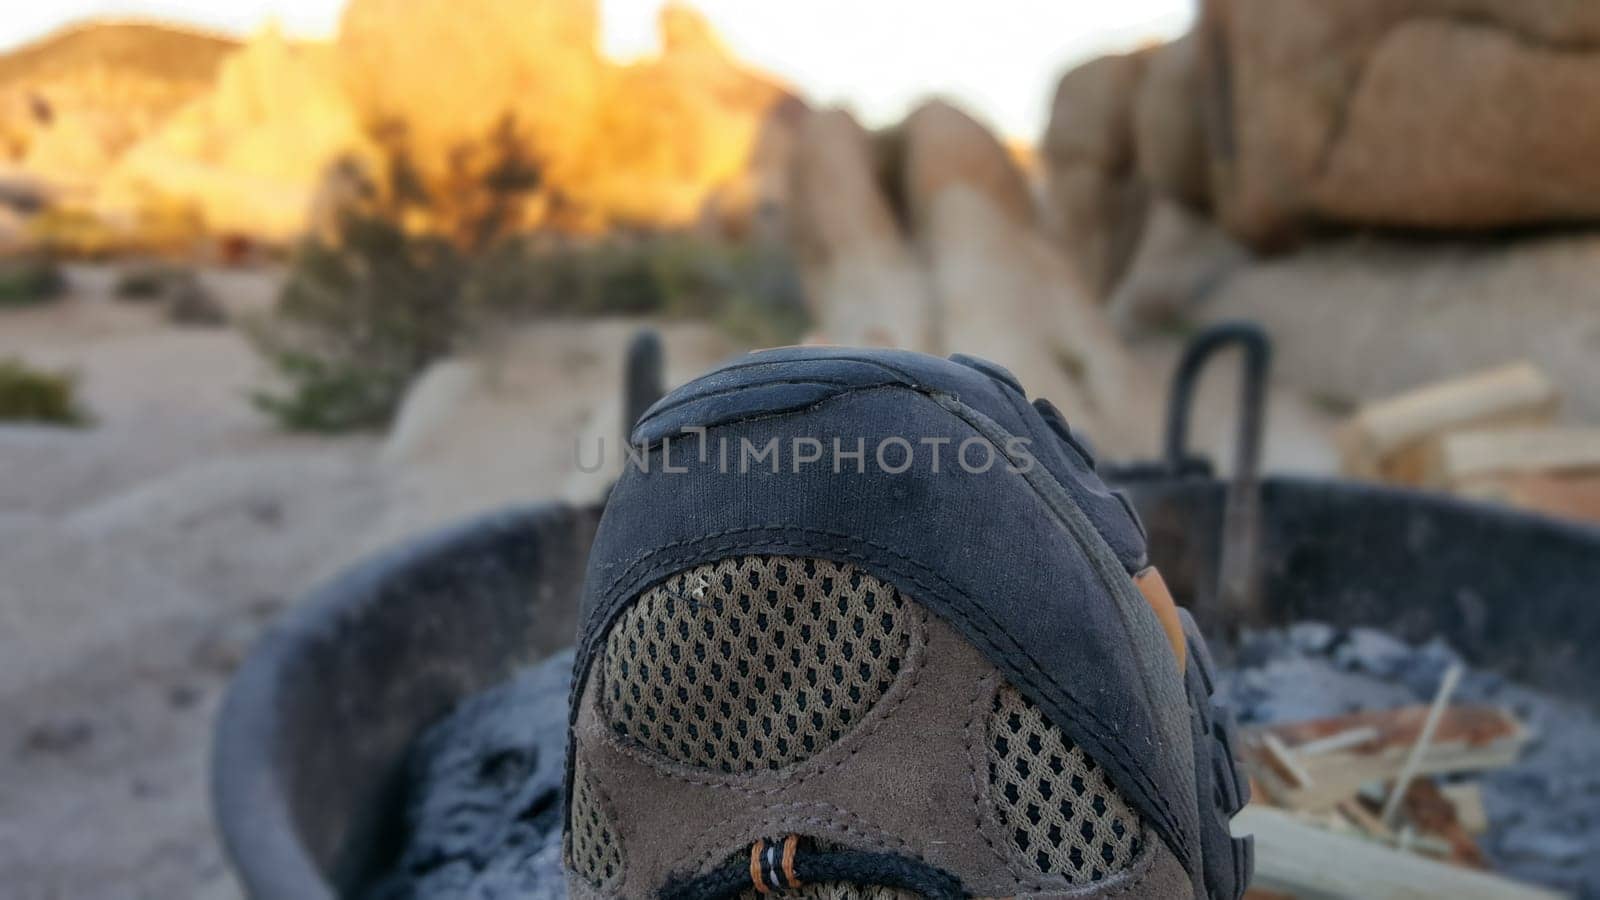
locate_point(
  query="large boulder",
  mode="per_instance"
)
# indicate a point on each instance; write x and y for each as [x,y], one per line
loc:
[1169,123]
[1002,289]
[1005,293]
[864,284]
[644,143]
[938,146]
[448,73]
[1361,319]
[248,156]
[1182,256]
[668,131]
[1435,114]
[1096,197]
[72,101]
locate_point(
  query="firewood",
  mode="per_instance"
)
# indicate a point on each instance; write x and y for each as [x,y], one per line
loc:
[1389,439]
[1427,808]
[1468,802]
[1575,497]
[1344,740]
[1311,863]
[1467,738]
[1461,457]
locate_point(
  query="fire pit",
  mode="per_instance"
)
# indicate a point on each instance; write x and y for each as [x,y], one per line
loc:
[315,730]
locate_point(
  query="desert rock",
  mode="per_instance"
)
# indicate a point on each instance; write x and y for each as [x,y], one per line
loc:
[939,145]
[864,284]
[1169,124]
[73,101]
[1362,319]
[1095,195]
[1438,114]
[247,157]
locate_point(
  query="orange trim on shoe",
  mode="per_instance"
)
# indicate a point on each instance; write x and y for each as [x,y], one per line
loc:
[1154,589]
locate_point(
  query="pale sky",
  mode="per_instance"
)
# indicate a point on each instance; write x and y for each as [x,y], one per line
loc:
[999,58]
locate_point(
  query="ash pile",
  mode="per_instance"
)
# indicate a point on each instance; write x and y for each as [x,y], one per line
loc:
[1500,795]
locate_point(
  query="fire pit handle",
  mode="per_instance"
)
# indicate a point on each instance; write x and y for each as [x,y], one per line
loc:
[1241,522]
[1257,349]
[643,379]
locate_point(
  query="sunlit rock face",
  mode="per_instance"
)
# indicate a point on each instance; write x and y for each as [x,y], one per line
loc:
[247,156]
[136,118]
[642,143]
[447,73]
[668,130]
[71,103]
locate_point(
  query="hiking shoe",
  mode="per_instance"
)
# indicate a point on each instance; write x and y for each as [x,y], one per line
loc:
[866,624]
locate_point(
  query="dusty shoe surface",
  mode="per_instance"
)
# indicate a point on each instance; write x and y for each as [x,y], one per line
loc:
[866,624]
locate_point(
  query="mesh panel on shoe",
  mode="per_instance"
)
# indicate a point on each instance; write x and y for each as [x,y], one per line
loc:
[754,662]
[1053,801]
[592,845]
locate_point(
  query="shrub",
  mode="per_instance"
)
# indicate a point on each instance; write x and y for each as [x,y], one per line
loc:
[30,282]
[31,395]
[411,270]
[191,304]
[356,322]
[751,290]
[146,281]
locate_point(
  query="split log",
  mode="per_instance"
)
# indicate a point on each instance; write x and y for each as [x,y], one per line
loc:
[1314,864]
[1389,440]
[1575,497]
[1461,457]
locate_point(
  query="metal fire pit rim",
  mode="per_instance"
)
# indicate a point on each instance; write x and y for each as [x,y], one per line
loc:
[248,792]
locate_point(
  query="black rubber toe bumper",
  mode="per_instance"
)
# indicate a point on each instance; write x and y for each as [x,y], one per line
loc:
[1222,789]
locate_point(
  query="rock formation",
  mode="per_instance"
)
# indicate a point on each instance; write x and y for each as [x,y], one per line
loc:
[248,155]
[1439,114]
[446,73]
[140,118]
[73,101]
[926,237]
[1096,195]
[865,286]
[1384,183]
[667,131]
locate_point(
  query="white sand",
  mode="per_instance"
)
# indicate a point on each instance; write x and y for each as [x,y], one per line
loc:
[139,558]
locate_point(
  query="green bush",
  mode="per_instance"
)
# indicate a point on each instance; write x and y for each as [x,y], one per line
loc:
[146,281]
[355,323]
[751,290]
[30,282]
[415,270]
[30,395]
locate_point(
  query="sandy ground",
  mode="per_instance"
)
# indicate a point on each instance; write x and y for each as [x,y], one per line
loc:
[140,557]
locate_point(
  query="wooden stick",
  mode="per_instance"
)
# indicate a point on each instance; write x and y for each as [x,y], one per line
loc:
[1466,739]
[1285,760]
[1344,740]
[1391,807]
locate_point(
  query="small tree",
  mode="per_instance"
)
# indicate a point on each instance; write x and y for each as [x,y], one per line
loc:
[369,306]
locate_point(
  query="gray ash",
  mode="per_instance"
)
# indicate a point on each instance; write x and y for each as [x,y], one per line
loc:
[483,810]
[1544,812]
